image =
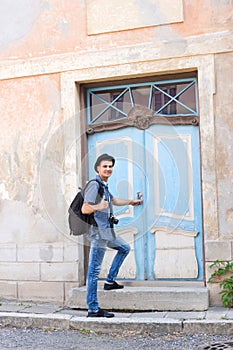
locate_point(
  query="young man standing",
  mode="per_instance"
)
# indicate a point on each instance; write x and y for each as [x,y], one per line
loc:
[103,235]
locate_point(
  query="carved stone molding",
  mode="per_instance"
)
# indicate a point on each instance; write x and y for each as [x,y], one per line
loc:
[141,117]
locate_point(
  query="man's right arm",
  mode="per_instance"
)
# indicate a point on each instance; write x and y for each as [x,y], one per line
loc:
[89,208]
[90,195]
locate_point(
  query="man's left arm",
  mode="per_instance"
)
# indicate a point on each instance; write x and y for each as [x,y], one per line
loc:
[120,201]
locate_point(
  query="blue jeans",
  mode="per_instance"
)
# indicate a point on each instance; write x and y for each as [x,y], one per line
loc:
[96,255]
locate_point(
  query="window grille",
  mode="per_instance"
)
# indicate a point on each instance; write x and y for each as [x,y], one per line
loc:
[164,98]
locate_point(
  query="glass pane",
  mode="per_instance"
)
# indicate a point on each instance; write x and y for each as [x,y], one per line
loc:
[102,96]
[161,98]
[113,114]
[141,96]
[182,110]
[109,115]
[124,103]
[96,106]
[103,117]
[109,95]
[99,102]
[188,97]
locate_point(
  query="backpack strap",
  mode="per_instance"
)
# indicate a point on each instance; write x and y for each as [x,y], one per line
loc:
[98,197]
[100,190]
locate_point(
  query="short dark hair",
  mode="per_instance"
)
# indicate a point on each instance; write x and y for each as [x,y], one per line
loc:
[102,157]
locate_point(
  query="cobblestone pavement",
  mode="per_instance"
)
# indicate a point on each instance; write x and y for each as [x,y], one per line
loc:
[36,339]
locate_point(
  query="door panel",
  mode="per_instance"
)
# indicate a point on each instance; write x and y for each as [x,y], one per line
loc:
[174,210]
[128,178]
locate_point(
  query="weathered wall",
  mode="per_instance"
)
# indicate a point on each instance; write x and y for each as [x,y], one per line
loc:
[221,247]
[30,159]
[38,258]
[224,142]
[36,28]
[47,46]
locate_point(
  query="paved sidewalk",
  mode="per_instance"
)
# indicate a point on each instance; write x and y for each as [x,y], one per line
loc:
[216,320]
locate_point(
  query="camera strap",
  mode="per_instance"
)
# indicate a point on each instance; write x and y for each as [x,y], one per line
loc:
[109,200]
[111,208]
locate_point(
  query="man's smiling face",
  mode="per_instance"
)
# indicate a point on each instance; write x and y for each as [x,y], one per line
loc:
[105,169]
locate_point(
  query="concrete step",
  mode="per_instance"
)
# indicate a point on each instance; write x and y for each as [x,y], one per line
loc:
[145,298]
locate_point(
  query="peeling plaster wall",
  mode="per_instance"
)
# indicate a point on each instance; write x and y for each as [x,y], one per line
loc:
[31,156]
[44,44]
[33,208]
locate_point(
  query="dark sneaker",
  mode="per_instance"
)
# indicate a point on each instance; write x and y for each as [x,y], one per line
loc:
[100,313]
[114,285]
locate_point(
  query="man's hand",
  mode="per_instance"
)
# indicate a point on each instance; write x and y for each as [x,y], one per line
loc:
[119,201]
[102,205]
[135,202]
[89,208]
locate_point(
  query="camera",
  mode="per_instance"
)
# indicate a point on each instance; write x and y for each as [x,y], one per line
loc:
[113,220]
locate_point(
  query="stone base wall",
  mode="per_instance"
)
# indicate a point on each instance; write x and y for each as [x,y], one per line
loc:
[38,272]
[216,250]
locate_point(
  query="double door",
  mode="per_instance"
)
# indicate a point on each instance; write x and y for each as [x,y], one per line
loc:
[160,164]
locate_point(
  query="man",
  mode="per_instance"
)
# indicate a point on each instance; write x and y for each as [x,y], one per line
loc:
[103,235]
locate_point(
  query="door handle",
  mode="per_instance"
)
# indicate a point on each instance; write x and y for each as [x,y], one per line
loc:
[140,196]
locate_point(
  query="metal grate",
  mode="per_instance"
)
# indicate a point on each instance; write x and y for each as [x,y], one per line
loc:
[219,346]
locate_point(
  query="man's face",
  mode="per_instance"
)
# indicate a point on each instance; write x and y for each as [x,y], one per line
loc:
[105,169]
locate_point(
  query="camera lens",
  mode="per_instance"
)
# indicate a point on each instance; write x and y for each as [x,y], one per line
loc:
[113,220]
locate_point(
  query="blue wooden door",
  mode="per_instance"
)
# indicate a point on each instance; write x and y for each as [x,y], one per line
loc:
[162,162]
[173,213]
[128,178]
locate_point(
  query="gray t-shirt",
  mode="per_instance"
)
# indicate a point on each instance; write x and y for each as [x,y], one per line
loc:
[101,217]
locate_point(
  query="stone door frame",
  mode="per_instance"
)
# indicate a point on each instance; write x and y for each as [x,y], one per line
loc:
[73,128]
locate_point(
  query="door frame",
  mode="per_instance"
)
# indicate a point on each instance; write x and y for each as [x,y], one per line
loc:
[74,137]
[105,119]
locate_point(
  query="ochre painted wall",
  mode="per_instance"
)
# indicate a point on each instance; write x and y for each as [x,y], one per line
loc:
[40,28]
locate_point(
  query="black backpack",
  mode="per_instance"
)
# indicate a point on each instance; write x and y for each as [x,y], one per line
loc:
[79,223]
